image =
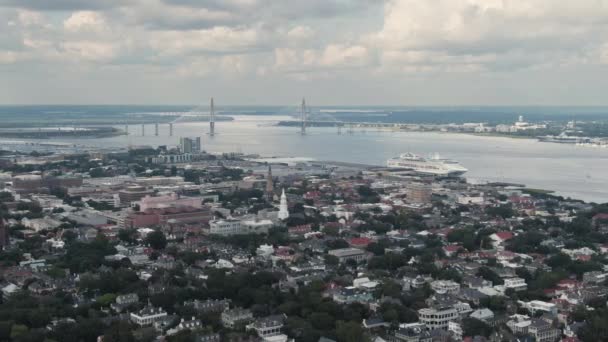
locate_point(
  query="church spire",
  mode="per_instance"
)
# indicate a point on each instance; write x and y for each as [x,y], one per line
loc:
[283,209]
[269,185]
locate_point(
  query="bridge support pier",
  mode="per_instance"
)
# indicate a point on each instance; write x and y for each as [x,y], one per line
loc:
[171,129]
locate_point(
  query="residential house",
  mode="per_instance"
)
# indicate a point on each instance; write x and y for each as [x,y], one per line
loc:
[148,316]
[233,317]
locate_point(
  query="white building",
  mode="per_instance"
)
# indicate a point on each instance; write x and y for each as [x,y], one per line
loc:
[148,316]
[192,325]
[483,314]
[543,331]
[268,326]
[256,226]
[519,125]
[344,254]
[264,251]
[445,286]
[230,318]
[230,226]
[190,145]
[283,209]
[437,318]
[537,305]
[171,158]
[517,284]
[47,201]
[456,330]
[45,223]
[471,199]
[225,227]
[365,283]
[519,324]
[223,264]
[168,201]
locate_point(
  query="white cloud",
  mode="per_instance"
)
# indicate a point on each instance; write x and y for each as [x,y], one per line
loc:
[242,40]
[8,57]
[158,15]
[300,33]
[476,29]
[90,50]
[337,55]
[216,67]
[85,21]
[30,18]
[215,40]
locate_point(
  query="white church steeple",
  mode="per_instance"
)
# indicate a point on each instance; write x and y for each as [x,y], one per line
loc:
[283,210]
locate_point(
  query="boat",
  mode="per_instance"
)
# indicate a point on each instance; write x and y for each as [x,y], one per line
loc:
[563,138]
[434,165]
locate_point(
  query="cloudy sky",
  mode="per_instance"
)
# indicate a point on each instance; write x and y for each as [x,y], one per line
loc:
[376,52]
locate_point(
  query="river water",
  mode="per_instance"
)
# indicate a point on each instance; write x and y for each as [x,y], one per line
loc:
[572,171]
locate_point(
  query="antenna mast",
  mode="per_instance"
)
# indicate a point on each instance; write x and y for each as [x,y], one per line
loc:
[303,117]
[212,119]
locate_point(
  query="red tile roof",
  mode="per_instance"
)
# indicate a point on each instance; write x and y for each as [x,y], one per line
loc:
[451,248]
[504,235]
[360,242]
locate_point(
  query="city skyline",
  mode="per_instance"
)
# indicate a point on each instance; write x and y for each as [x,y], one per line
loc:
[253,52]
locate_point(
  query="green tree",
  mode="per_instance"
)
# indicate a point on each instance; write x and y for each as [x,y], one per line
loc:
[106,299]
[487,274]
[595,329]
[331,231]
[18,330]
[127,235]
[331,260]
[120,331]
[504,211]
[350,332]
[96,172]
[475,327]
[156,240]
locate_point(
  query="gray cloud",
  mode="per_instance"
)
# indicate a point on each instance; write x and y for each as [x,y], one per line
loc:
[63,5]
[270,44]
[279,9]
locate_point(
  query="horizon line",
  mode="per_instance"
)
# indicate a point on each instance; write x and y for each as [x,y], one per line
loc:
[297,105]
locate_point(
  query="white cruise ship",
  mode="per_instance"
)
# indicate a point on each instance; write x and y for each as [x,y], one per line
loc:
[434,166]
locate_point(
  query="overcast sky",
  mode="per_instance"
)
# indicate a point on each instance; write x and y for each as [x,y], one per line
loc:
[342,52]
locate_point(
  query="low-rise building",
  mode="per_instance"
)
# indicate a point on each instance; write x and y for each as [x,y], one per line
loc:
[268,326]
[413,332]
[517,284]
[483,314]
[124,301]
[456,330]
[344,254]
[209,305]
[543,331]
[519,324]
[445,286]
[535,306]
[231,318]
[227,227]
[595,277]
[45,223]
[192,325]
[148,316]
[438,318]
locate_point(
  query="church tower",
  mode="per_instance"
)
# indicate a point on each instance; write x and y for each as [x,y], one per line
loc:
[283,209]
[269,185]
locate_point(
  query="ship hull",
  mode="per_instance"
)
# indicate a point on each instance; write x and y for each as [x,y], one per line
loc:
[435,166]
